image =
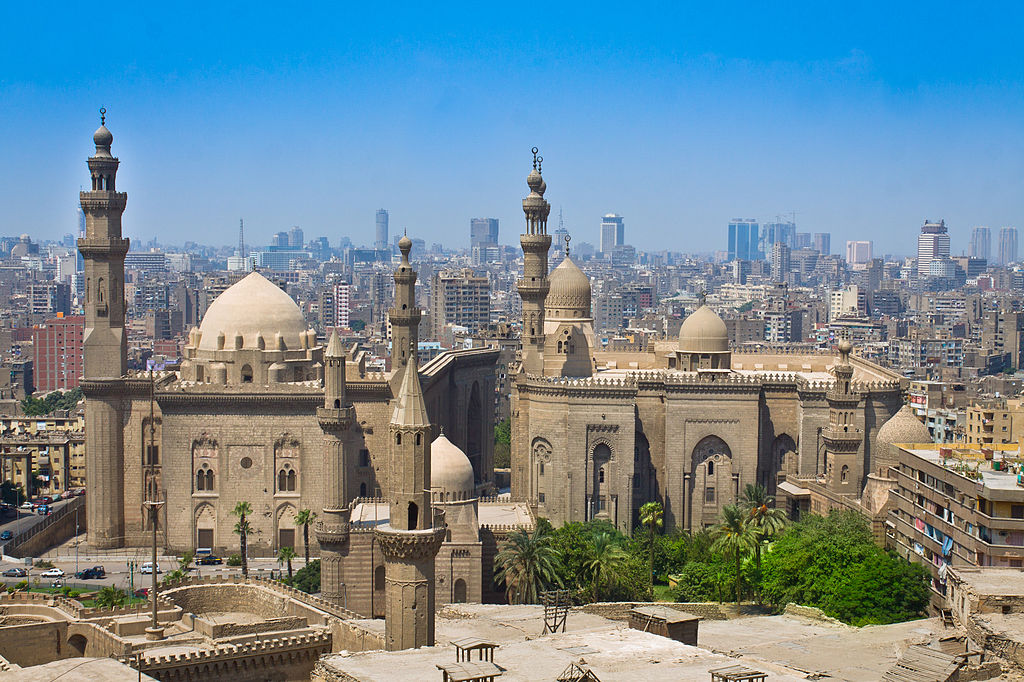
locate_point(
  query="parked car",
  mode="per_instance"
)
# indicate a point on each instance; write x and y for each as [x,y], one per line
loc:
[6,535]
[45,509]
[27,505]
[52,573]
[147,568]
[142,592]
[15,573]
[209,560]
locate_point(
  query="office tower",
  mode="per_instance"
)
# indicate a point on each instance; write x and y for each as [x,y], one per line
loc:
[744,238]
[57,353]
[802,240]
[1007,245]
[295,238]
[858,252]
[823,243]
[280,239]
[461,299]
[981,243]
[932,243]
[483,232]
[772,233]
[780,261]
[381,242]
[613,233]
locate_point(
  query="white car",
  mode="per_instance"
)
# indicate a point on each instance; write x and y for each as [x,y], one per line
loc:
[52,573]
[147,568]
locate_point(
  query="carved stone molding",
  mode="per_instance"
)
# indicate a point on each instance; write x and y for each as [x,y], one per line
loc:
[409,545]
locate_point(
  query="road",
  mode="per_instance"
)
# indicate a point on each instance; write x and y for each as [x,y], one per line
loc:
[25,519]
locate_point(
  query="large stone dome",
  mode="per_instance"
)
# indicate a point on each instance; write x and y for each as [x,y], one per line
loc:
[451,472]
[903,427]
[569,295]
[252,307]
[703,332]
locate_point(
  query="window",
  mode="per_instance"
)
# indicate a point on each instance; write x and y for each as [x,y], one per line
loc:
[1017,511]
[398,439]
[200,480]
[209,479]
[600,475]
[291,481]
[542,468]
[362,490]
[246,374]
[540,497]
[413,515]
[364,457]
[711,468]
[844,473]
[709,494]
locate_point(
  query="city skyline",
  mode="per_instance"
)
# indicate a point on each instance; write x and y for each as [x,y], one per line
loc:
[853,129]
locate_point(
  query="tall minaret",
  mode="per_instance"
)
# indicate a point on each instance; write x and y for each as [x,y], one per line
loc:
[409,541]
[404,315]
[842,437]
[533,287]
[105,344]
[335,418]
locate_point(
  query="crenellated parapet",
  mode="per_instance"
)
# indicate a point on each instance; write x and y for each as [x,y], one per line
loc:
[409,545]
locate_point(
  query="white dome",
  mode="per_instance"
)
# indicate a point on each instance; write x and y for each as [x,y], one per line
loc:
[703,332]
[253,307]
[450,470]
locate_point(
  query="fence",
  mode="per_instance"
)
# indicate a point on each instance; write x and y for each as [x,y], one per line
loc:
[59,523]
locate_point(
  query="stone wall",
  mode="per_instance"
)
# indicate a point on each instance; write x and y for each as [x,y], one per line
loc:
[620,610]
[35,643]
[53,530]
[219,630]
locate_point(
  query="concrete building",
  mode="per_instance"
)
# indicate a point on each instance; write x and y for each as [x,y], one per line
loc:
[49,298]
[57,352]
[380,242]
[849,302]
[981,243]
[781,263]
[744,240]
[335,305]
[859,252]
[1008,245]
[823,243]
[483,232]
[461,299]
[932,244]
[994,422]
[613,233]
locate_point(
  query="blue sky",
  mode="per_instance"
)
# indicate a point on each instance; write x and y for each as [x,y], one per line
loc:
[862,118]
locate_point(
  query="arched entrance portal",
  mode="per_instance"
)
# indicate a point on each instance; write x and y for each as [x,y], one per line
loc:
[712,484]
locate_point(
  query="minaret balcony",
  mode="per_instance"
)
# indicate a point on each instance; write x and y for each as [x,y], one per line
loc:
[93,247]
[331,533]
[102,200]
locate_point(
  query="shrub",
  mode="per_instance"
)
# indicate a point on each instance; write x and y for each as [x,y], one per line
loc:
[43,563]
[307,578]
[21,585]
[234,560]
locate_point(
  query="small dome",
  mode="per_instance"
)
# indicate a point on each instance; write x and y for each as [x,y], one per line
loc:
[534,180]
[247,309]
[703,332]
[102,137]
[405,243]
[569,290]
[450,470]
[903,427]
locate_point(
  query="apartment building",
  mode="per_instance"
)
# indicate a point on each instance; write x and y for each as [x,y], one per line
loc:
[459,298]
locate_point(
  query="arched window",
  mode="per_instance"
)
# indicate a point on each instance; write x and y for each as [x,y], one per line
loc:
[246,374]
[542,468]
[209,479]
[378,578]
[362,490]
[844,473]
[414,512]
[282,480]
[398,439]
[419,438]
[711,468]
[200,480]
[600,475]
[291,481]
[459,596]
[337,403]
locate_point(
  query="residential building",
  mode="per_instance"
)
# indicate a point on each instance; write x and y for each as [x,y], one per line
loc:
[49,298]
[849,302]
[335,305]
[996,422]
[459,298]
[147,261]
[58,353]
[823,243]
[858,252]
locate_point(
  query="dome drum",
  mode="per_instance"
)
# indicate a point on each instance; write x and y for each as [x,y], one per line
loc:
[703,342]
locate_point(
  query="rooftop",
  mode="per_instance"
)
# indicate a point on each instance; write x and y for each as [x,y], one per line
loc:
[1000,471]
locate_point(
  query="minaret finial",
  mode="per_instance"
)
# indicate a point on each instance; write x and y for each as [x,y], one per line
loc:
[103,116]
[540,161]
[534,150]
[567,239]
[703,297]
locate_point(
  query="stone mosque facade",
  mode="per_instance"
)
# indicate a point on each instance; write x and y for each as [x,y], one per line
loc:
[688,423]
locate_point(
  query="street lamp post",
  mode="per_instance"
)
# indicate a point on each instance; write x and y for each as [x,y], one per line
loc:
[154,631]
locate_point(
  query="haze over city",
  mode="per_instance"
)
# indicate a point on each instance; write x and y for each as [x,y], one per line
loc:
[862,121]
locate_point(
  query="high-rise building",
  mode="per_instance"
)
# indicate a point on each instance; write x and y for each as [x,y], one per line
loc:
[744,240]
[823,243]
[932,243]
[849,302]
[483,232]
[381,241]
[780,261]
[772,233]
[48,298]
[459,298]
[858,252]
[1007,245]
[981,243]
[280,239]
[57,353]
[335,305]
[295,238]
[613,233]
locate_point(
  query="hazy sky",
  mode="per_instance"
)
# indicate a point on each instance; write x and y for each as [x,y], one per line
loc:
[863,118]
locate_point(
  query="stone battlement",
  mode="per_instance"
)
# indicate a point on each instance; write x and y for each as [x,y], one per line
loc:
[265,583]
[231,651]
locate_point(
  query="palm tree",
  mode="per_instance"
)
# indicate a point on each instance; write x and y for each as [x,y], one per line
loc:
[762,516]
[109,597]
[607,562]
[734,538]
[305,519]
[528,564]
[651,514]
[244,530]
[185,560]
[286,554]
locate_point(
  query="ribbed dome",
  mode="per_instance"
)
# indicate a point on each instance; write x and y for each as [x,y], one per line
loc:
[253,307]
[903,427]
[450,470]
[102,137]
[703,332]
[570,291]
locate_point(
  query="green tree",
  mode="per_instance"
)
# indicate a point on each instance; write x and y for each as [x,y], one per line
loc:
[834,564]
[763,517]
[503,444]
[173,576]
[110,597]
[54,400]
[185,560]
[285,555]
[11,493]
[528,564]
[305,518]
[244,529]
[700,581]
[607,565]
[651,514]
[307,578]
[734,538]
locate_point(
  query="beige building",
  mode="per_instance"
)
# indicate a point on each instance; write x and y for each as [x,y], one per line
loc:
[957,506]
[995,422]
[459,298]
[52,445]
[687,423]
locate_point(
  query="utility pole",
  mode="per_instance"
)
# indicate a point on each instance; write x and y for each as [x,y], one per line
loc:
[154,631]
[76,541]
